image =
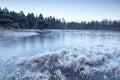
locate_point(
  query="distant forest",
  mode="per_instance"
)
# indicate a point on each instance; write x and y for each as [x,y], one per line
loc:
[11,19]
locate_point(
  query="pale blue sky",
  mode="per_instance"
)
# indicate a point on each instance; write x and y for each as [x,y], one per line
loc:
[71,10]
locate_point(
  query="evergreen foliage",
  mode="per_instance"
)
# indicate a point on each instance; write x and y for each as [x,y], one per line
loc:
[29,21]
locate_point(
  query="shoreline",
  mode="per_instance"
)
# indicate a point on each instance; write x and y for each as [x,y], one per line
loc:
[6,34]
[13,34]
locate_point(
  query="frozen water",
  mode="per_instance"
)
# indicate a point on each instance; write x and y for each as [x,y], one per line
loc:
[96,57]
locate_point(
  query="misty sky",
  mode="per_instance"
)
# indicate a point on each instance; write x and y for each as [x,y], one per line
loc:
[71,10]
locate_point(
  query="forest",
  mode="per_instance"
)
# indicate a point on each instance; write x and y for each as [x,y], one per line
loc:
[14,20]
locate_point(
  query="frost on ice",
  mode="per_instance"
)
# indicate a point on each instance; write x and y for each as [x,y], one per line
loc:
[76,64]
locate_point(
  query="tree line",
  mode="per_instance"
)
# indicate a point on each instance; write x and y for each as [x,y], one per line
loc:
[11,19]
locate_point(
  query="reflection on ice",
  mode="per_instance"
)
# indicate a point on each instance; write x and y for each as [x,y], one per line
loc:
[57,39]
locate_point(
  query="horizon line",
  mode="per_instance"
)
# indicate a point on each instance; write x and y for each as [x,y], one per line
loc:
[36,15]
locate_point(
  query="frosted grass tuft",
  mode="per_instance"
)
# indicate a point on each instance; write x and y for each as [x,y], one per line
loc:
[74,64]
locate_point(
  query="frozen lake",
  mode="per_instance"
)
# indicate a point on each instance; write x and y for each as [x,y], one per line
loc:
[52,40]
[67,54]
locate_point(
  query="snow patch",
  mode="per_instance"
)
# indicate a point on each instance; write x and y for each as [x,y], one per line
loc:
[11,34]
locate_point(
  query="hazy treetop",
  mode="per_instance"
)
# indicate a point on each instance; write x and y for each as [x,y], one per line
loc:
[71,10]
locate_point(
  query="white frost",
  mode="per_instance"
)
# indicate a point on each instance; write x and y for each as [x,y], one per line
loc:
[65,64]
